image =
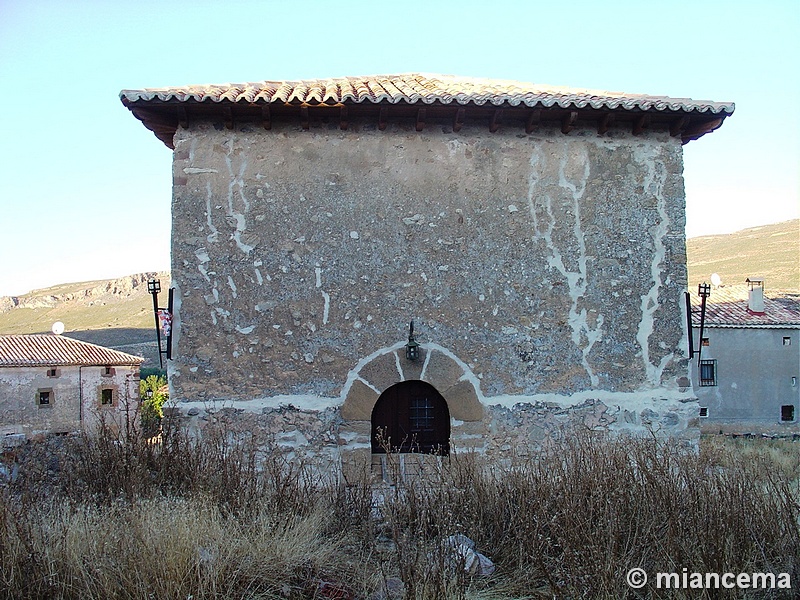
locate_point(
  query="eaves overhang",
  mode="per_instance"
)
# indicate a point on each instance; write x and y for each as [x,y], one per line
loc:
[422,99]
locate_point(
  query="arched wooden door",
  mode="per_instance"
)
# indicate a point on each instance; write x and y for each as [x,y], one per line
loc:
[411,417]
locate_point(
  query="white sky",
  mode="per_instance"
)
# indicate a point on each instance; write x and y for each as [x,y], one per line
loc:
[85,188]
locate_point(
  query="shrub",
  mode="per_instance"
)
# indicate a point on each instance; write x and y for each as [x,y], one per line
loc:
[154,392]
[222,516]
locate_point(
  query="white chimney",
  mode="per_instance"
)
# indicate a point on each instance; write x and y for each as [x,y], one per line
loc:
[755,297]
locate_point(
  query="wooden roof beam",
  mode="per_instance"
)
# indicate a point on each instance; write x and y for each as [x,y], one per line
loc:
[532,122]
[382,117]
[421,119]
[227,115]
[183,120]
[640,123]
[698,129]
[304,121]
[678,126]
[605,121]
[494,124]
[266,117]
[568,121]
[458,119]
[343,118]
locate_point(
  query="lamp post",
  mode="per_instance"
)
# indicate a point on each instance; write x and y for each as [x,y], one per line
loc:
[163,319]
[704,291]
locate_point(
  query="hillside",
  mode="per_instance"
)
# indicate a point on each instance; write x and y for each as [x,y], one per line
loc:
[771,251]
[109,303]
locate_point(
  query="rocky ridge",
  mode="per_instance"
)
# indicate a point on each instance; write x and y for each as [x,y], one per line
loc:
[87,292]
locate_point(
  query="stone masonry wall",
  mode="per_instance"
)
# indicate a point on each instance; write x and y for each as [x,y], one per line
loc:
[75,399]
[20,412]
[549,268]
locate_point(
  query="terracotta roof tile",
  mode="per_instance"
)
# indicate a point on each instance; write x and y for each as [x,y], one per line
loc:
[447,95]
[727,307]
[413,88]
[58,350]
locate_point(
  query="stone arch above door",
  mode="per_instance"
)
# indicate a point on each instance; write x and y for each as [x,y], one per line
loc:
[436,366]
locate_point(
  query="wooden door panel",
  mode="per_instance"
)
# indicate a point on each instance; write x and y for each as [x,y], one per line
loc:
[413,417]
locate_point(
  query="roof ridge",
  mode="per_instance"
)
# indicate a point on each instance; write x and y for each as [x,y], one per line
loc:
[225,91]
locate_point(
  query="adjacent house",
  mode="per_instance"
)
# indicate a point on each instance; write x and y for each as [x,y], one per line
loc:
[55,384]
[746,377]
[533,234]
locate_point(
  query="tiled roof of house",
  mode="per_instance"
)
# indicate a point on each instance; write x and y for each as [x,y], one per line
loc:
[162,109]
[415,88]
[727,307]
[58,350]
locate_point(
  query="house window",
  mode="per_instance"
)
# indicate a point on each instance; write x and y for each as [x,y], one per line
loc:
[44,398]
[106,397]
[787,341]
[108,371]
[52,372]
[703,411]
[705,342]
[787,412]
[708,372]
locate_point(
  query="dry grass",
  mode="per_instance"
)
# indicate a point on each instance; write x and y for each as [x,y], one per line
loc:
[223,517]
[160,548]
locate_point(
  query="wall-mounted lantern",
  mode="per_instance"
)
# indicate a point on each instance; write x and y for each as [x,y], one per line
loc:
[163,318]
[704,291]
[412,347]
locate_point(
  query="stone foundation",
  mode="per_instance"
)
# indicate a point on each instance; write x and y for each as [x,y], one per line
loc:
[504,432]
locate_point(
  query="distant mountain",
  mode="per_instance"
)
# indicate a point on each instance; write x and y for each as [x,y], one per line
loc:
[769,251]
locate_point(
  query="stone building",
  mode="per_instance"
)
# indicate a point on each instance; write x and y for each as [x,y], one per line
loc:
[56,384]
[748,370]
[535,235]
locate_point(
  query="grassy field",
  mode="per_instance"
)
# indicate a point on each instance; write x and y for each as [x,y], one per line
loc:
[128,314]
[223,517]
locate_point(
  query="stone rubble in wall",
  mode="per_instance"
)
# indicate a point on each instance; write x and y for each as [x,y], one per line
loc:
[567,239]
[322,435]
